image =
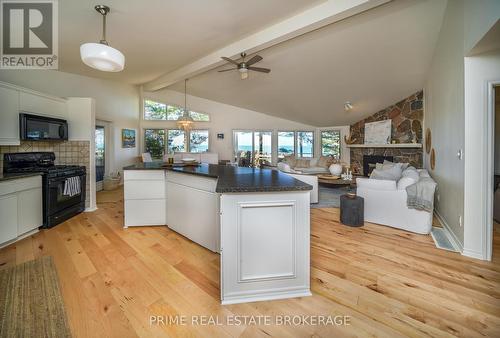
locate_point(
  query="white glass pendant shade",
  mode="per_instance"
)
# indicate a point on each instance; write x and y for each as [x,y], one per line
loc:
[102,57]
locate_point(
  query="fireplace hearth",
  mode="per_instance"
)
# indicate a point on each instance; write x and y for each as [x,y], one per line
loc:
[370,161]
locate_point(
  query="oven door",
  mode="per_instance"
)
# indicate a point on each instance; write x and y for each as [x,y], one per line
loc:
[57,200]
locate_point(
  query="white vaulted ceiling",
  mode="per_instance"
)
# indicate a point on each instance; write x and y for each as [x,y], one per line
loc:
[373,59]
[158,36]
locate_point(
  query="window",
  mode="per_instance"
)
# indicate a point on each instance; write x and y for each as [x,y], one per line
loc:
[243,147]
[161,141]
[286,144]
[154,110]
[262,147]
[176,140]
[305,144]
[198,141]
[155,142]
[160,111]
[199,117]
[330,143]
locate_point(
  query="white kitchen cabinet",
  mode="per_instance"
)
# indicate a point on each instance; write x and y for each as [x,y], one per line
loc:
[194,212]
[29,208]
[144,197]
[20,208]
[8,210]
[9,116]
[43,105]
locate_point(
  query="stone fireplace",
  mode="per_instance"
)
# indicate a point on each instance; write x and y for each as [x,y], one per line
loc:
[407,118]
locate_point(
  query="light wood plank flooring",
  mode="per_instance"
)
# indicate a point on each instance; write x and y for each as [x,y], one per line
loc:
[390,282]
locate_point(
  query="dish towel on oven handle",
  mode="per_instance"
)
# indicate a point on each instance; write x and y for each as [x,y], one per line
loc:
[72,186]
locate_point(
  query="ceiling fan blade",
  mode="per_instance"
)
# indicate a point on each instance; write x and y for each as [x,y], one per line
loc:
[253,60]
[258,69]
[229,60]
[226,70]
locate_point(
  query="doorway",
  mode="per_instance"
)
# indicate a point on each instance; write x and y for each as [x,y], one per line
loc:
[100,150]
[496,164]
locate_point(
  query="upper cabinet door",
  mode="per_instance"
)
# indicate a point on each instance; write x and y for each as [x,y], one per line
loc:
[9,116]
[42,105]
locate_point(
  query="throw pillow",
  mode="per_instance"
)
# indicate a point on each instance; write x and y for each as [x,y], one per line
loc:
[412,173]
[290,160]
[405,182]
[393,174]
[285,167]
[301,163]
[325,161]
[390,164]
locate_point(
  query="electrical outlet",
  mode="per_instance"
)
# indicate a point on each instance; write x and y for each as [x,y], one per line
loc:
[460,220]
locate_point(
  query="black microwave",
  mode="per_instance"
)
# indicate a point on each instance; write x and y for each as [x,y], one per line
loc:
[42,128]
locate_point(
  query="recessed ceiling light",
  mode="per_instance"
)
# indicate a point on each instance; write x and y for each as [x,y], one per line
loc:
[347,106]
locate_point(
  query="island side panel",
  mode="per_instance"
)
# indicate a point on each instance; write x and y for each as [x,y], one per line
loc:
[144,197]
[265,246]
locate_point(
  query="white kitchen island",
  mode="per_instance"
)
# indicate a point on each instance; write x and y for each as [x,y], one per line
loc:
[258,220]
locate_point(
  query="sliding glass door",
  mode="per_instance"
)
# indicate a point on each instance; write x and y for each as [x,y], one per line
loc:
[252,148]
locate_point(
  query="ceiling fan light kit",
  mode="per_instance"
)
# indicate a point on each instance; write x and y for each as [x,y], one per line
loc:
[244,66]
[100,55]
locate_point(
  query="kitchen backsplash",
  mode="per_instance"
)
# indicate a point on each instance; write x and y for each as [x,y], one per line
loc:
[67,152]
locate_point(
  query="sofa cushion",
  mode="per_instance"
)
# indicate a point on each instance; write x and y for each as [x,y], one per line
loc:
[313,170]
[302,163]
[290,160]
[393,173]
[389,164]
[285,167]
[412,173]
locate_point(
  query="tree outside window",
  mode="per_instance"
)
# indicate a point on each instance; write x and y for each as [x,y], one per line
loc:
[198,141]
[154,110]
[286,144]
[176,140]
[155,142]
[330,143]
[305,144]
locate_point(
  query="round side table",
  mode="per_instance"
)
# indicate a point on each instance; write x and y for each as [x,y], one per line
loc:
[352,211]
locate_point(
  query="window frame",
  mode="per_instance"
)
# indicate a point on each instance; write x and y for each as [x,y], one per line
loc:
[297,143]
[208,139]
[187,139]
[278,143]
[321,141]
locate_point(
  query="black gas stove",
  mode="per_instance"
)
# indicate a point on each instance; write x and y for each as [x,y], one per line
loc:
[59,202]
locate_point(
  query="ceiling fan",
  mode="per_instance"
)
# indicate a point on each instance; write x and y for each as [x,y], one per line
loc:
[244,66]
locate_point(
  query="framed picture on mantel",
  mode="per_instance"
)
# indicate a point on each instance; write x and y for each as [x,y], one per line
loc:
[378,132]
[128,138]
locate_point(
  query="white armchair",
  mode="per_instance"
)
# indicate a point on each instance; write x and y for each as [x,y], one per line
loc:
[385,203]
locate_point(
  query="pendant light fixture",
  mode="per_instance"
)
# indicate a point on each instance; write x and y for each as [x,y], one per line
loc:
[100,55]
[185,122]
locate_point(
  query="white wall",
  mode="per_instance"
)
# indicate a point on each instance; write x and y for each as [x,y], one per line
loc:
[115,102]
[444,109]
[226,118]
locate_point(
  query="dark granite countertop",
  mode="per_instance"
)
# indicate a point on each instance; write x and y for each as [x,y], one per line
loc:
[235,179]
[8,177]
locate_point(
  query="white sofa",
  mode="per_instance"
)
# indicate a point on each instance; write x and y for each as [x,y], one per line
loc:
[210,158]
[309,179]
[385,203]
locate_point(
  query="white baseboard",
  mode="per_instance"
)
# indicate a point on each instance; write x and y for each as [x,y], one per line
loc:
[265,297]
[473,254]
[451,235]
[90,209]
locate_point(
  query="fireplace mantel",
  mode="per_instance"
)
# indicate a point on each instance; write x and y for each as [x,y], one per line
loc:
[389,145]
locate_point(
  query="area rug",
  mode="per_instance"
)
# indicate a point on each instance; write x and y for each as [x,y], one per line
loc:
[31,304]
[329,197]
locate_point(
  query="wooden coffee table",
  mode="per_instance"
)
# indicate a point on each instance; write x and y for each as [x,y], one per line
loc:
[331,180]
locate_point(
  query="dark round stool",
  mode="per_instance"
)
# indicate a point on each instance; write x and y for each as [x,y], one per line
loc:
[352,211]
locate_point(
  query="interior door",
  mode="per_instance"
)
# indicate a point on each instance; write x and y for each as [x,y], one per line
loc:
[100,140]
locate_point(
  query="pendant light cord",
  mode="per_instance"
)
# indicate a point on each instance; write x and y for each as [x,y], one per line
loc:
[185,97]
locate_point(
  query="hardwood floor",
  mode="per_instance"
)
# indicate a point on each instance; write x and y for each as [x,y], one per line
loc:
[390,282]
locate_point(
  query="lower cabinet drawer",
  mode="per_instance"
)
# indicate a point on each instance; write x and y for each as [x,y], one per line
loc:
[145,212]
[144,190]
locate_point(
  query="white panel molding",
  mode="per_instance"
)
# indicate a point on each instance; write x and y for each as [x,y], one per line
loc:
[269,204]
